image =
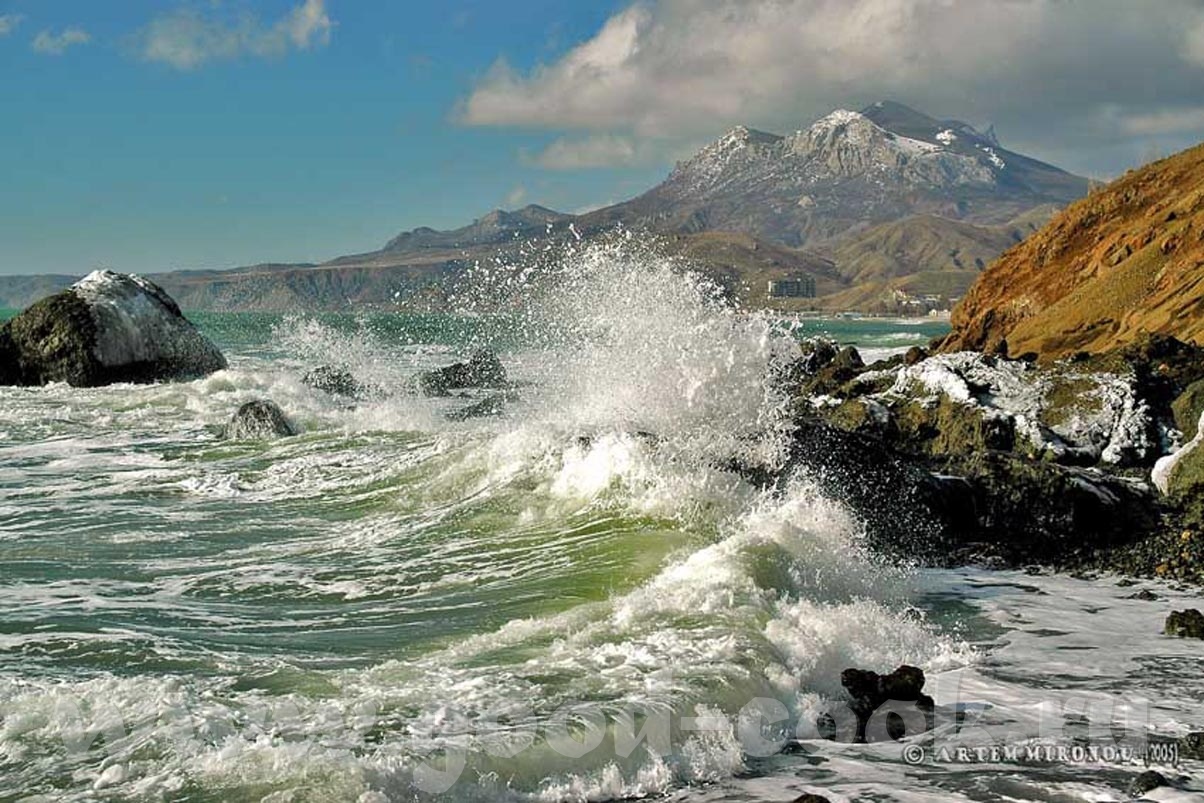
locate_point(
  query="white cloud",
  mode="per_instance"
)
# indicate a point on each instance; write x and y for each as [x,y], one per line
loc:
[681,69]
[598,150]
[515,197]
[1193,44]
[186,38]
[55,44]
[9,23]
[1167,121]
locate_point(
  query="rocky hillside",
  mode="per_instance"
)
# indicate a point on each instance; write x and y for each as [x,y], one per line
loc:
[920,257]
[1127,260]
[842,174]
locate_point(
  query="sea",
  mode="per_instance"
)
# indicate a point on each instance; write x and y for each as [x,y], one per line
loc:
[577,599]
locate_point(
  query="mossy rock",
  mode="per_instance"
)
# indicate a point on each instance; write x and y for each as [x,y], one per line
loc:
[845,365]
[53,341]
[1068,397]
[1185,624]
[1188,476]
[950,428]
[106,328]
[857,415]
[1187,409]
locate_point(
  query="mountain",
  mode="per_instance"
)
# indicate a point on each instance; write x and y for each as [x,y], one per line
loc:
[929,260]
[1126,260]
[495,228]
[844,173]
[880,208]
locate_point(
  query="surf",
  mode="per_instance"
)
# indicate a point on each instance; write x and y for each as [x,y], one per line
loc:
[393,597]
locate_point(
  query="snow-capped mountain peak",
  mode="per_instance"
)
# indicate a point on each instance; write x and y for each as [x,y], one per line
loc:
[853,166]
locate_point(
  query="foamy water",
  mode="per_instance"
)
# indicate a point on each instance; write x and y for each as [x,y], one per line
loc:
[576,600]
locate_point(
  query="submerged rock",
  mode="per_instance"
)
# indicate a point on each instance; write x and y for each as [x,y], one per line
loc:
[1147,781]
[1192,746]
[106,328]
[335,380]
[482,370]
[259,420]
[1185,624]
[489,406]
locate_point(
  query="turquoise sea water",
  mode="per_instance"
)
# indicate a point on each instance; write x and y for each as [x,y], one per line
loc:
[398,606]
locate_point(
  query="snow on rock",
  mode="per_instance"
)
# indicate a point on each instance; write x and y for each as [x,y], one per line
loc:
[137,323]
[993,157]
[1109,422]
[946,137]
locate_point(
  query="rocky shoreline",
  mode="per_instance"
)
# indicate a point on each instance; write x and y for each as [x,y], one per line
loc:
[950,458]
[962,457]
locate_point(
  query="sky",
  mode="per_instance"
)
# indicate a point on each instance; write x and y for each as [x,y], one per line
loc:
[149,135]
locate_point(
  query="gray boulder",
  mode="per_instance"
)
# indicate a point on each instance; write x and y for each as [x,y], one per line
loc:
[106,328]
[482,370]
[336,381]
[259,420]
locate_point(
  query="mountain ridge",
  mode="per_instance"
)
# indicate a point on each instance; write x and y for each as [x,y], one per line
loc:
[820,189]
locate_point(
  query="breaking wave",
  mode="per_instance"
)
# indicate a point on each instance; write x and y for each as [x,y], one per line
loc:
[393,599]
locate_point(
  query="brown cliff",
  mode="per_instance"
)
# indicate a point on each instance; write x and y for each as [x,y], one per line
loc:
[1126,260]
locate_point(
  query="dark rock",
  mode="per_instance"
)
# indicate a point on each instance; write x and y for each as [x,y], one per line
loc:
[816,354]
[106,328]
[1185,624]
[1164,369]
[810,798]
[951,511]
[259,420]
[10,365]
[1192,746]
[914,355]
[482,370]
[1147,782]
[334,380]
[848,358]
[907,511]
[870,692]
[1144,594]
[1047,512]
[833,370]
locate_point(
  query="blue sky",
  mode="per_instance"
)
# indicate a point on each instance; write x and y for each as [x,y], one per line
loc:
[111,159]
[150,136]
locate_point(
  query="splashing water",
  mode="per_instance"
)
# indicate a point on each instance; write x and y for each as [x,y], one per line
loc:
[393,599]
